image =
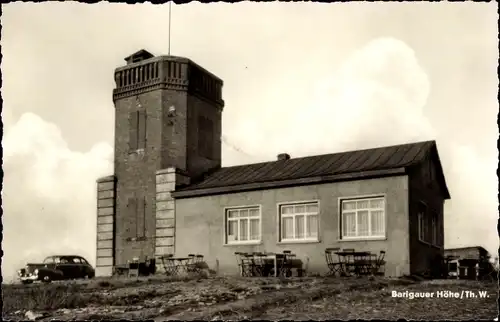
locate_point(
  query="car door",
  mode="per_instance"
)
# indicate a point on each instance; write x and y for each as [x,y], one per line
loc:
[65,267]
[79,267]
[75,267]
[86,268]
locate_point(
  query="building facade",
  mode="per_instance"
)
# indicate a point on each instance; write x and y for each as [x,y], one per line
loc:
[168,113]
[170,195]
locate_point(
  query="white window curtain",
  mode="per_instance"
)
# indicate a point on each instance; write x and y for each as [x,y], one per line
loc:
[363,218]
[243,225]
[299,221]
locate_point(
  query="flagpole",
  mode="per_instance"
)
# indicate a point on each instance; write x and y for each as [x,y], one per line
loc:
[169,23]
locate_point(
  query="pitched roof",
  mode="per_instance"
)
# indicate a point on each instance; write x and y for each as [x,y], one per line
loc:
[142,54]
[464,248]
[367,160]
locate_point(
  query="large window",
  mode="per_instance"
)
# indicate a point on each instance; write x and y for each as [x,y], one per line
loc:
[428,225]
[422,222]
[299,221]
[363,218]
[137,130]
[243,225]
[434,228]
[136,217]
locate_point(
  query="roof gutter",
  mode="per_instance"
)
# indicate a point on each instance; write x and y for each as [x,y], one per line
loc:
[287,183]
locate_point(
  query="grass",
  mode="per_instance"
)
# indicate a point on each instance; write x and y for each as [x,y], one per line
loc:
[231,298]
[70,295]
[379,303]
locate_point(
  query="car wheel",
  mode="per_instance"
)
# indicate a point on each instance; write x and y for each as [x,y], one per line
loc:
[46,279]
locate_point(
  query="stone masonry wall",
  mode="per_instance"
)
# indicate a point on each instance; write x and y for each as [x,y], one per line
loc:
[166,180]
[105,225]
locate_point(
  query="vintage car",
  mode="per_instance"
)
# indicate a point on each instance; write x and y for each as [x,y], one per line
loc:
[57,267]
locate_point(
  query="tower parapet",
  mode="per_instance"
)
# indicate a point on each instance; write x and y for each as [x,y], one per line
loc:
[144,73]
[168,115]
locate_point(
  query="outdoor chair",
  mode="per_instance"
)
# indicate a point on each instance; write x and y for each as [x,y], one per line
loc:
[245,264]
[259,264]
[334,265]
[379,264]
[191,265]
[169,265]
[285,268]
[196,263]
[133,267]
[364,265]
[239,261]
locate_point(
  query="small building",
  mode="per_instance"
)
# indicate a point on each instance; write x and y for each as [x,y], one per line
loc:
[468,262]
[170,195]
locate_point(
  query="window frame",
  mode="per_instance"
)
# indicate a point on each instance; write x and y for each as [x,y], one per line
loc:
[422,221]
[434,228]
[137,130]
[341,200]
[305,214]
[226,221]
[431,226]
[49,260]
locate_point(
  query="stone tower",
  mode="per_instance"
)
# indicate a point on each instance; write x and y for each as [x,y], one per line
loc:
[168,119]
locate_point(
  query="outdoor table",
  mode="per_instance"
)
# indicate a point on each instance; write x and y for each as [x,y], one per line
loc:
[174,265]
[258,264]
[278,259]
[355,259]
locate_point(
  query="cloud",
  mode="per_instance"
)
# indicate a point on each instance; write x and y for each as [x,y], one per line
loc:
[49,193]
[377,92]
[381,84]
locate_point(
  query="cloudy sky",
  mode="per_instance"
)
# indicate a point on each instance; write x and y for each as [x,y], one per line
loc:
[302,78]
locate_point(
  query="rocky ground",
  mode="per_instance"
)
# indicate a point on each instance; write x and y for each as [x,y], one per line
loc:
[230,298]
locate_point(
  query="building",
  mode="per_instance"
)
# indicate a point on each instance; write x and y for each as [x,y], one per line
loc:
[169,193]
[468,262]
[472,252]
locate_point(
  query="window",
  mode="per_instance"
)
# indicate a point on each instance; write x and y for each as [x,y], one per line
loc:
[434,229]
[299,221]
[141,217]
[428,225]
[363,218]
[137,130]
[243,225]
[422,223]
[48,260]
[421,226]
[66,260]
[136,217]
